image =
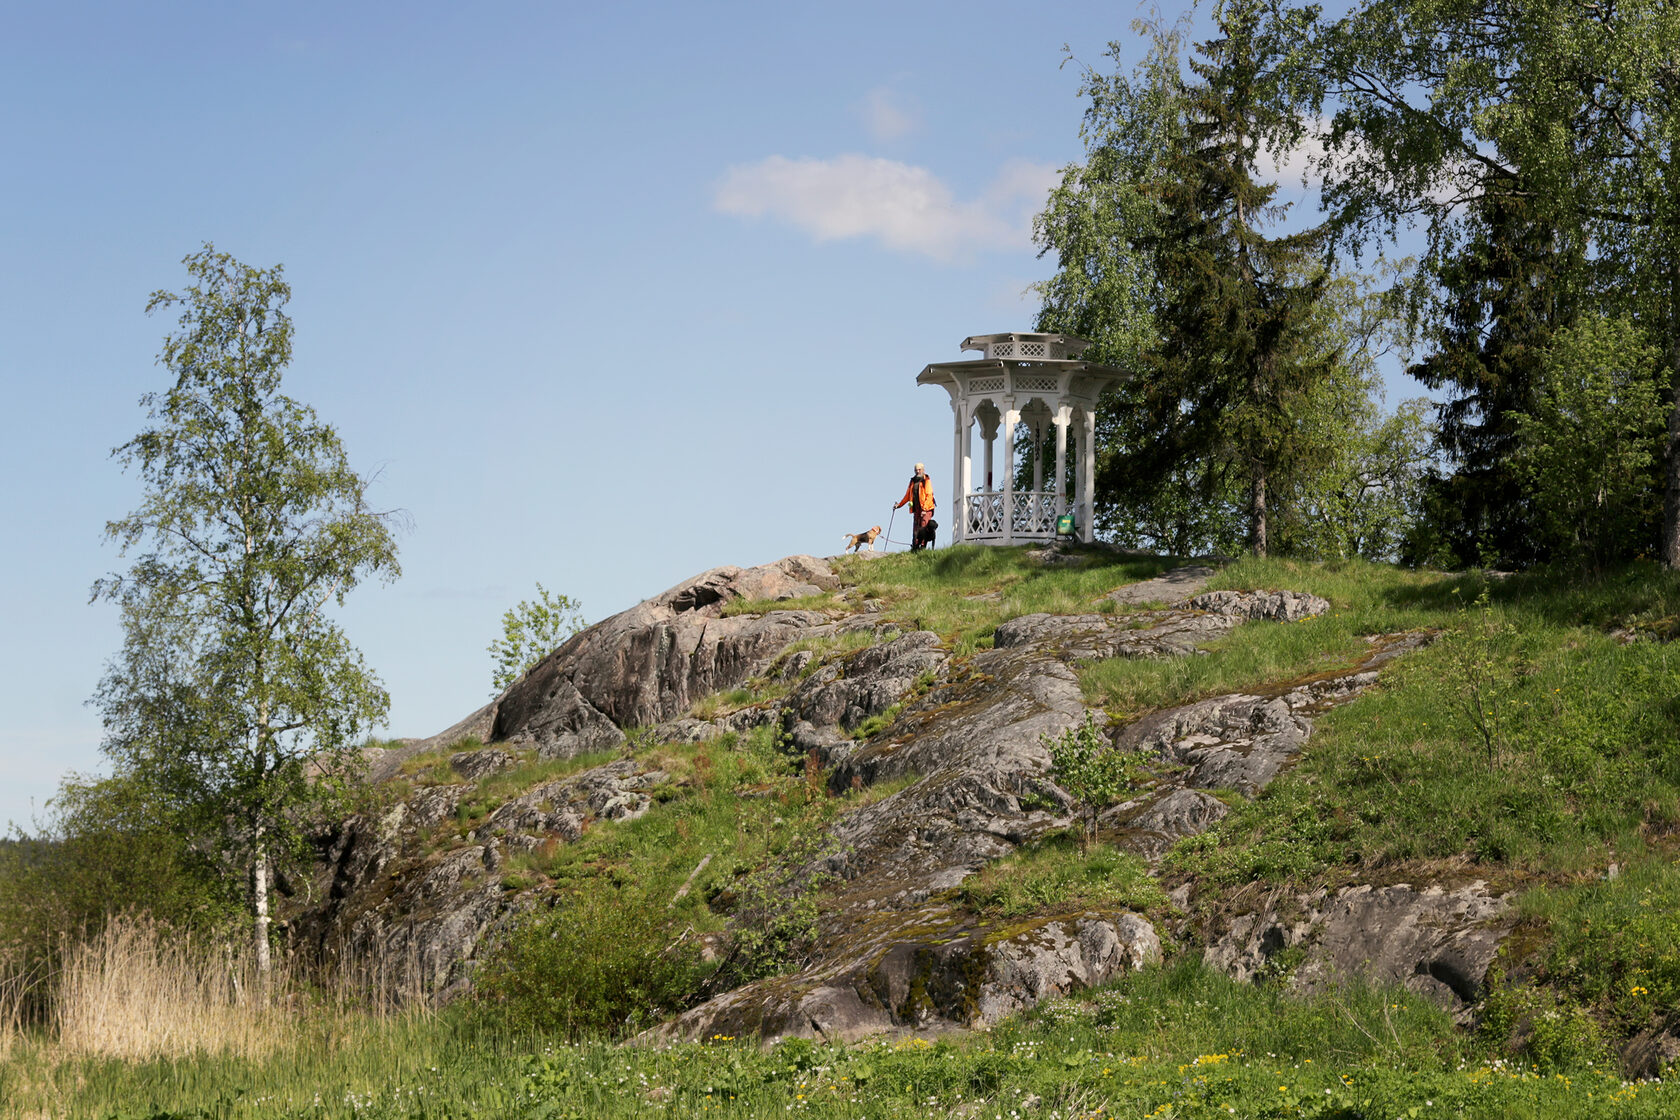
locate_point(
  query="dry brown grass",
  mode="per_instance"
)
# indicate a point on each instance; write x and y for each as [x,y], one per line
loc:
[139,991]
[14,984]
[134,991]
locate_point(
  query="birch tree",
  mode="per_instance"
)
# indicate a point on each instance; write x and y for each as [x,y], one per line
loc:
[1563,113]
[235,693]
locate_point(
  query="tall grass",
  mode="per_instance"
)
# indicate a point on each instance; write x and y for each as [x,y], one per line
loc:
[133,991]
[1173,1041]
[15,985]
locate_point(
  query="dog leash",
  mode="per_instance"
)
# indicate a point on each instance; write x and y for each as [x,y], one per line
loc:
[887,536]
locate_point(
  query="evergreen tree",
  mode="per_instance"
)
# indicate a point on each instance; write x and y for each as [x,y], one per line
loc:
[1501,299]
[1236,368]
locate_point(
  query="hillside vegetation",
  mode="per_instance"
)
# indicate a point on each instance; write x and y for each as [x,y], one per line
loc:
[1529,744]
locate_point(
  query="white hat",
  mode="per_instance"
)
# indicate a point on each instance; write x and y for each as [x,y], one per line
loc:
[920,467]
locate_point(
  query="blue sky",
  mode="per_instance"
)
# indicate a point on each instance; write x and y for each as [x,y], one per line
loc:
[605,294]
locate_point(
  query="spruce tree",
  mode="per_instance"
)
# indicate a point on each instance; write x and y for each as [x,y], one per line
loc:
[1503,296]
[1235,368]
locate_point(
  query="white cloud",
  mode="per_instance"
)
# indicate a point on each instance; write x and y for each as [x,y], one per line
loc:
[1301,167]
[1301,171]
[887,117]
[905,208]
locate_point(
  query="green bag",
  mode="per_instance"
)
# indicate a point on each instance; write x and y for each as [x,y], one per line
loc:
[1064,524]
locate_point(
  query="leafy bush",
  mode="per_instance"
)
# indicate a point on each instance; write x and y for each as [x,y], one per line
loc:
[530,632]
[1485,676]
[774,914]
[606,962]
[1086,764]
[1590,449]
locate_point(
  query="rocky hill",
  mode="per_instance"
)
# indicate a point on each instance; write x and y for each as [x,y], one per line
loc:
[932,743]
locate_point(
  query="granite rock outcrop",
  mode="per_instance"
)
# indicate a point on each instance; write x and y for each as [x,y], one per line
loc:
[964,742]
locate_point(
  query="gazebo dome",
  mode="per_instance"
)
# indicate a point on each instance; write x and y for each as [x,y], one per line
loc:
[1021,345]
[1037,381]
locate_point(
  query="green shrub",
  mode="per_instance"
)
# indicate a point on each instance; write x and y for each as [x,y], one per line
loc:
[1086,764]
[1616,941]
[1543,1027]
[1484,681]
[604,962]
[773,910]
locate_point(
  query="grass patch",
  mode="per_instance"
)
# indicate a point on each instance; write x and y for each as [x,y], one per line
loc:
[1517,742]
[1365,599]
[495,790]
[962,593]
[860,795]
[826,603]
[753,693]
[875,724]
[1058,873]
[737,798]
[1615,942]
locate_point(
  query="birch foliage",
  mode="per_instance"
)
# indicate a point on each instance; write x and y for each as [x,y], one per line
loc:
[235,693]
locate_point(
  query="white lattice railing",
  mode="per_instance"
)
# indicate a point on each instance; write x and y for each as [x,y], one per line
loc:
[983,516]
[1032,515]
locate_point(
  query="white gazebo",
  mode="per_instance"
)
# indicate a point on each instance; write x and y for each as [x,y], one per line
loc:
[1031,380]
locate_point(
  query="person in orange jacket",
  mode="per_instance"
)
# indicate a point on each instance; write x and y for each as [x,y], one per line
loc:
[919,497]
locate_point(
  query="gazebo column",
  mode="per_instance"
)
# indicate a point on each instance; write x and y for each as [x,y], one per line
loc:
[985,412]
[1088,475]
[1010,419]
[964,468]
[1038,456]
[1063,416]
[1037,428]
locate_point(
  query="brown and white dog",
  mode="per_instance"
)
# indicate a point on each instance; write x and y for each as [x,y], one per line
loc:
[855,541]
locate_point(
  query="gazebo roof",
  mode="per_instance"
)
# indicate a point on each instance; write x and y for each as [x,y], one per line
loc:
[1026,344]
[1021,354]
